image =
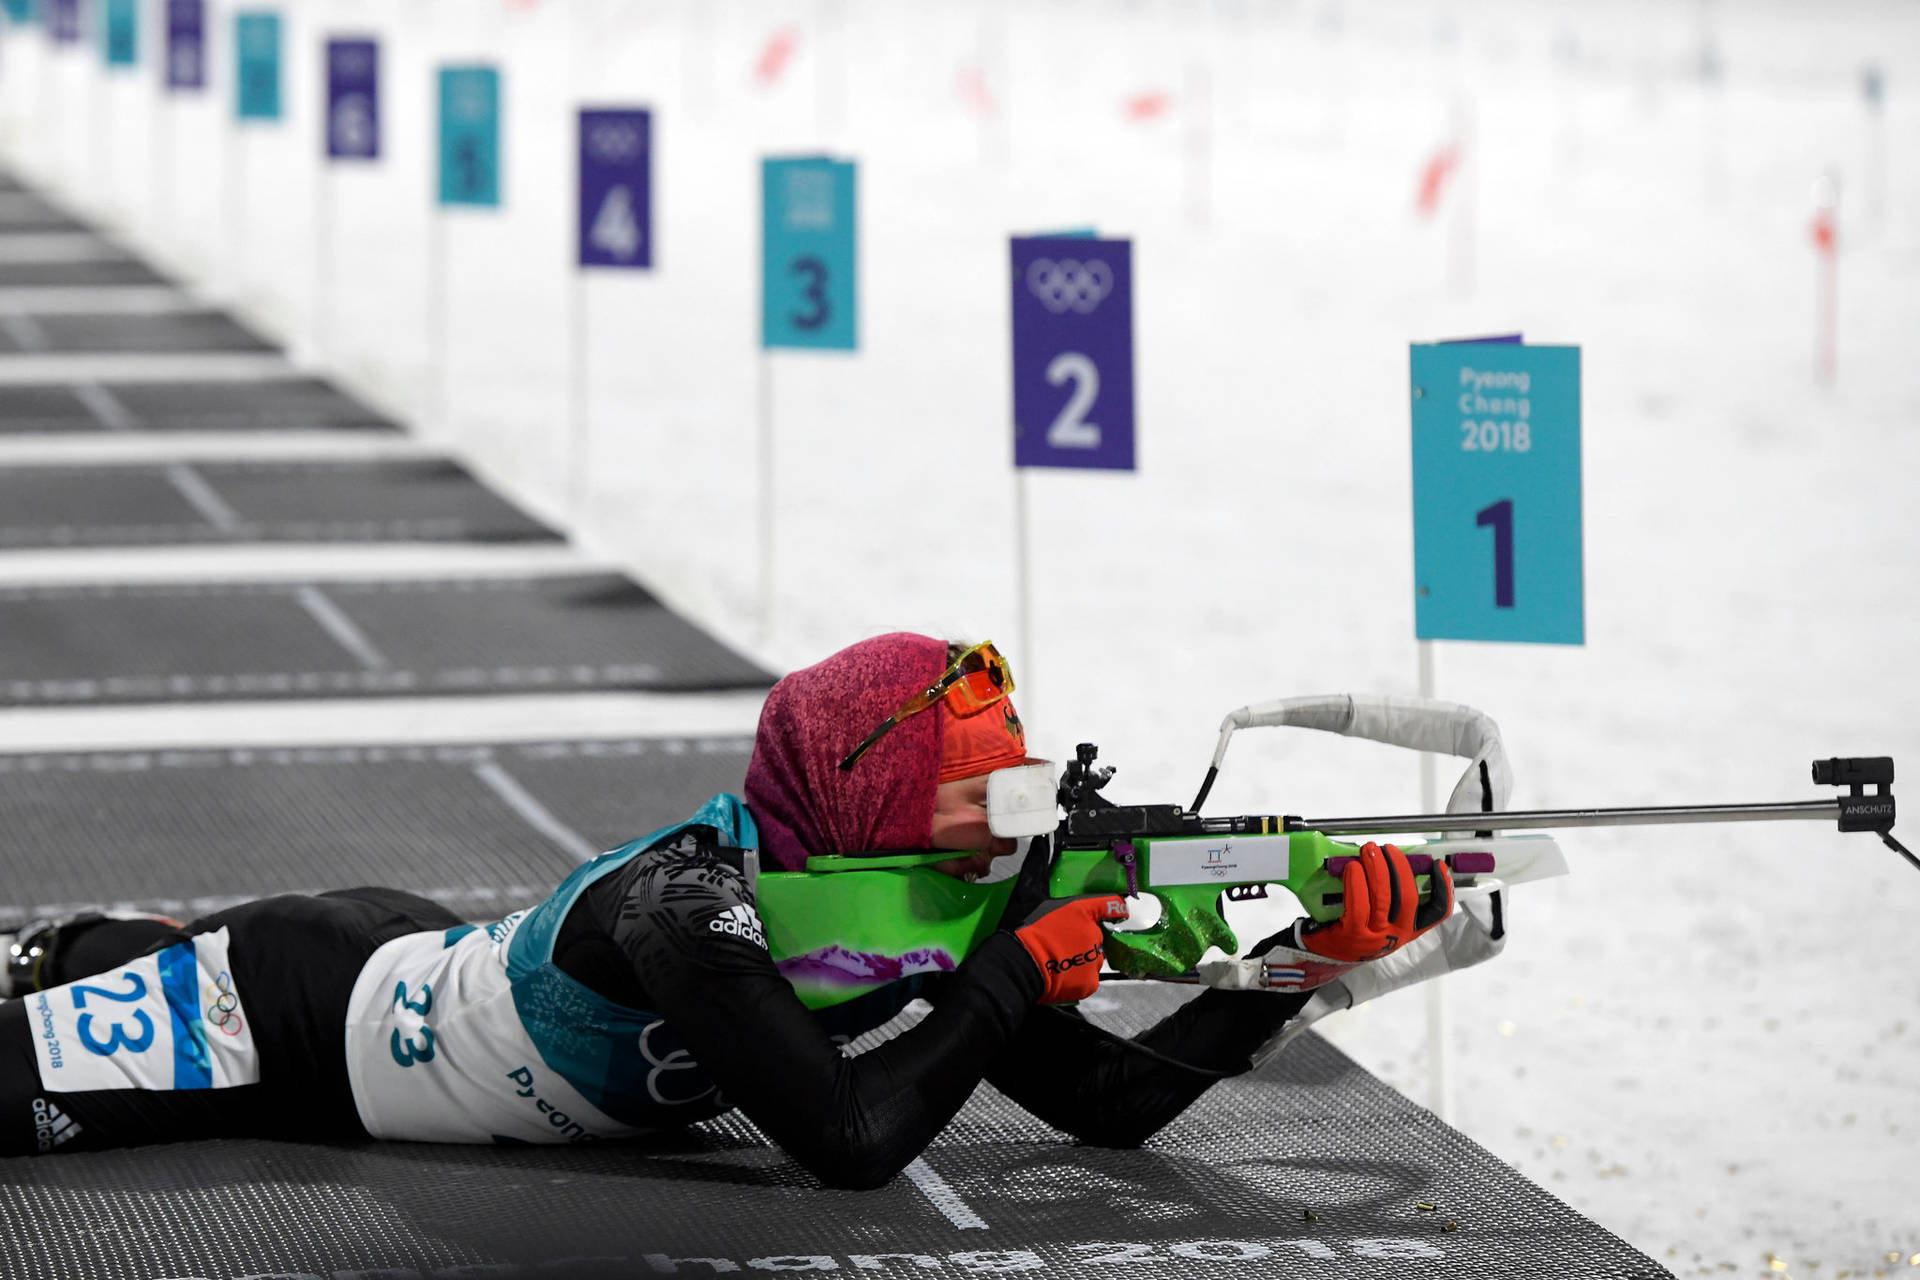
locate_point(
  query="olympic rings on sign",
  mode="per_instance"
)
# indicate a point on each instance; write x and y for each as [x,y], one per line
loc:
[1067,285]
[223,1005]
[613,143]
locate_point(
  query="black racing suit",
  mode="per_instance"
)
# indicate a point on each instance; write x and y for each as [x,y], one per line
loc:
[639,937]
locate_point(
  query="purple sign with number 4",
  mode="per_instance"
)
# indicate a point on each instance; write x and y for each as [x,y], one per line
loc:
[1073,353]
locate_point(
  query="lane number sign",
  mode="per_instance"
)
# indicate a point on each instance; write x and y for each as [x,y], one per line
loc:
[1497,532]
[470,136]
[353,100]
[809,295]
[1073,352]
[616,188]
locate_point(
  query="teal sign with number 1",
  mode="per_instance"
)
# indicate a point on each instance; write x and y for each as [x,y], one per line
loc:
[1497,543]
[809,294]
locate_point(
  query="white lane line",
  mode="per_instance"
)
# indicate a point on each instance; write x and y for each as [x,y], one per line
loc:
[149,299]
[342,628]
[694,723]
[195,489]
[297,562]
[936,1189]
[106,406]
[129,445]
[236,367]
[26,332]
[535,814]
[56,246]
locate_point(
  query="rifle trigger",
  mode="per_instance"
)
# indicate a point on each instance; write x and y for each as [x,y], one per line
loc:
[1129,863]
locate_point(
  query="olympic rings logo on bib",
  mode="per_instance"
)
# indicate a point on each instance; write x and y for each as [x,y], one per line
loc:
[1068,285]
[223,1005]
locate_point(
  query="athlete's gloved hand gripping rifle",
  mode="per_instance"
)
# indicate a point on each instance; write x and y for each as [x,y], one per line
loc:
[848,925]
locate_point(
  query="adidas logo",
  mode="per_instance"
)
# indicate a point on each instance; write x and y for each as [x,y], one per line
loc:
[740,921]
[51,1127]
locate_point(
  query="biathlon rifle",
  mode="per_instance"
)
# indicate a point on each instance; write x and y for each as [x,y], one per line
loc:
[851,924]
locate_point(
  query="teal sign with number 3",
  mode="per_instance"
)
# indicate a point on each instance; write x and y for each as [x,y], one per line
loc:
[809,253]
[1497,542]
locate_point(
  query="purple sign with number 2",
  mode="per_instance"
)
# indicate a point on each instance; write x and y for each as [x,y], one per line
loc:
[1073,353]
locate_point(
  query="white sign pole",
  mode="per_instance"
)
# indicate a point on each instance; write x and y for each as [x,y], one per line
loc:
[579,408]
[1439,1087]
[437,398]
[764,414]
[1023,573]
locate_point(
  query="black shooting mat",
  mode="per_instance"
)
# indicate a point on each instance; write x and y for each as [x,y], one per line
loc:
[274,404]
[164,642]
[486,829]
[408,500]
[82,273]
[22,212]
[126,333]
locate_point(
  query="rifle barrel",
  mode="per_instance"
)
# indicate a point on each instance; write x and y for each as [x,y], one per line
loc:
[1547,818]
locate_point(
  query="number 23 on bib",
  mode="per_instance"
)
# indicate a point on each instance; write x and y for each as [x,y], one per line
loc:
[172,1020]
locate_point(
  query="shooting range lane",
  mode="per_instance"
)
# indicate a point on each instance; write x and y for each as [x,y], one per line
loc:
[430,500]
[169,641]
[106,270]
[1224,1192]
[111,333]
[277,404]
[22,211]
[487,829]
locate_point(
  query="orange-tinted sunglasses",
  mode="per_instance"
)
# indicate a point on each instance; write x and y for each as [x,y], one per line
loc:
[978,678]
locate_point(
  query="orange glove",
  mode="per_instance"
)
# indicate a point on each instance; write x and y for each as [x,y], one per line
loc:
[1064,937]
[1382,911]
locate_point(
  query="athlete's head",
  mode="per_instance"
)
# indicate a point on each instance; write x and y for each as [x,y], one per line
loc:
[885,745]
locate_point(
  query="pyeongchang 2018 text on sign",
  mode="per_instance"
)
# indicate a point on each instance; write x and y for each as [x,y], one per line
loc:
[186,44]
[1497,543]
[256,51]
[1073,353]
[353,100]
[809,236]
[120,20]
[470,136]
[616,188]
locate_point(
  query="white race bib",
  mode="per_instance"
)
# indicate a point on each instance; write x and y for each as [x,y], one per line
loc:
[172,1020]
[436,1050]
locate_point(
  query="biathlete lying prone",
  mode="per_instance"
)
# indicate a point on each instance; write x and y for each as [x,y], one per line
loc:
[641,996]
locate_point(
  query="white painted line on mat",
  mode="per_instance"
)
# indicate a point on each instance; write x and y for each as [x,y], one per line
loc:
[294,562]
[944,1197]
[131,445]
[56,246]
[137,299]
[195,489]
[26,332]
[343,629]
[106,406]
[498,717]
[239,366]
[535,814]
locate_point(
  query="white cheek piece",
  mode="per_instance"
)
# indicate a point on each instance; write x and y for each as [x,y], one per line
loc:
[1023,800]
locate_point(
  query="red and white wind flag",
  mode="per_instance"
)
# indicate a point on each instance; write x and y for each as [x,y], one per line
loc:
[970,82]
[1826,238]
[1142,107]
[1434,176]
[775,56]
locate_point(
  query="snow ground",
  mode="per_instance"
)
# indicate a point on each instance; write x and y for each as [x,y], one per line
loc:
[1707,1038]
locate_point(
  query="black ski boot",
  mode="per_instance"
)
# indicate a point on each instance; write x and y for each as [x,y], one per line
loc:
[29,952]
